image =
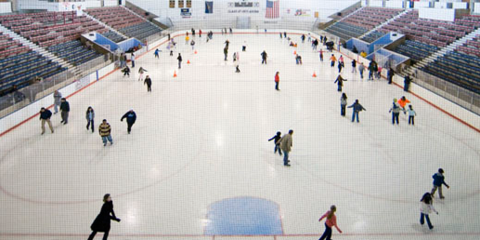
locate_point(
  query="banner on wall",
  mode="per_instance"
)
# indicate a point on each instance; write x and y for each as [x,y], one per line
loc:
[185,13]
[208,7]
[71,6]
[299,12]
[244,7]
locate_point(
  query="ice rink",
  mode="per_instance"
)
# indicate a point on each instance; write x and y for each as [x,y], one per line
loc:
[198,165]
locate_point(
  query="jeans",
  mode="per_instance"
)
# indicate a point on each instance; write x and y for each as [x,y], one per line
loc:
[353,116]
[276,85]
[105,235]
[342,109]
[55,107]
[339,88]
[411,120]
[277,147]
[327,234]
[370,75]
[395,117]
[361,74]
[109,138]
[332,64]
[133,63]
[422,221]
[88,124]
[285,157]
[179,65]
[405,88]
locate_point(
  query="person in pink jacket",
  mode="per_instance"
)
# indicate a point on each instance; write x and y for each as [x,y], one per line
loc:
[329,223]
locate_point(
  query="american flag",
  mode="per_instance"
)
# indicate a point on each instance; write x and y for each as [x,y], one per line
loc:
[273,9]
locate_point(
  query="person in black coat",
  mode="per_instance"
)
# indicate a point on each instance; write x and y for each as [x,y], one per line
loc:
[131,118]
[148,81]
[102,222]
[264,57]
[390,75]
[179,58]
[276,139]
[45,115]
[65,109]
[406,81]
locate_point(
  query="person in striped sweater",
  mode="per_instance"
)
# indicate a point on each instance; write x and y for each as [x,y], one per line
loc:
[105,132]
[329,223]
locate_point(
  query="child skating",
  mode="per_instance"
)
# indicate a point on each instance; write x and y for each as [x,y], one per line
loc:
[276,139]
[438,181]
[329,223]
[426,207]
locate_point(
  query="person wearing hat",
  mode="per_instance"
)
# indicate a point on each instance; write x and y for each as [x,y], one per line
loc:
[105,132]
[438,181]
[131,118]
[102,221]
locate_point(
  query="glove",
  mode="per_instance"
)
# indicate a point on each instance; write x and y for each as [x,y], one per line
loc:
[118,219]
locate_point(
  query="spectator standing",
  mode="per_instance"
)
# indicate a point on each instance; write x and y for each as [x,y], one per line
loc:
[65,110]
[406,81]
[286,144]
[390,75]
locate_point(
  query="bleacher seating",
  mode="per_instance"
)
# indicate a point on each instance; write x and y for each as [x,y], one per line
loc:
[416,51]
[51,28]
[20,65]
[73,52]
[461,66]
[124,21]
[371,37]
[113,36]
[362,21]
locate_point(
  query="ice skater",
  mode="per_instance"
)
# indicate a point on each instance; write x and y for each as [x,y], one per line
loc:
[333,59]
[192,43]
[343,104]
[354,66]
[148,82]
[131,118]
[411,115]
[234,57]
[277,81]
[321,55]
[426,207]
[329,223]
[156,53]
[357,108]
[395,110]
[438,181]
[141,71]
[102,222]
[90,116]
[45,116]
[126,71]
[276,139]
[341,64]
[339,82]
[225,52]
[105,132]
[244,46]
[298,59]
[403,102]
[179,58]
[361,68]
[286,143]
[237,69]
[264,57]
[64,111]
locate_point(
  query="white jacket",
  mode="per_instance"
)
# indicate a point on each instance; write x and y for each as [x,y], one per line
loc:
[427,208]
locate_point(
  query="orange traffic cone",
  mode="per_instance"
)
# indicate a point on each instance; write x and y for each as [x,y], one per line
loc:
[188,61]
[174,74]
[314,74]
[294,52]
[195,51]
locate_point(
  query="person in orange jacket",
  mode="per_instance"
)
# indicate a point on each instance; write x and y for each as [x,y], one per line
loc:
[333,59]
[403,102]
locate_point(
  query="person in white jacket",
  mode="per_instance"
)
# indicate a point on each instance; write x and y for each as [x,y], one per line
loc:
[426,207]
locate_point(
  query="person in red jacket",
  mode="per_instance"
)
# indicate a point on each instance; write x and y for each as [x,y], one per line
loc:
[277,81]
[329,223]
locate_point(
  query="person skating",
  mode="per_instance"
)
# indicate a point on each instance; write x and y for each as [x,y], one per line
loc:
[395,110]
[284,34]
[244,46]
[264,57]
[281,36]
[126,71]
[286,143]
[276,139]
[321,55]
[372,69]
[361,68]
[333,59]
[357,108]
[339,81]
[225,52]
[57,98]
[193,32]
[131,118]
[403,102]
[102,221]
[231,31]
[411,115]
[390,75]
[331,221]
[156,53]
[45,116]
[234,57]
[65,110]
[277,81]
[105,132]
[199,32]
[227,43]
[179,58]
[237,69]
[192,43]
[141,71]
[438,181]
[298,59]
[343,104]
[341,64]
[187,39]
[148,82]
[406,83]
[303,38]
[426,207]
[90,116]
[354,66]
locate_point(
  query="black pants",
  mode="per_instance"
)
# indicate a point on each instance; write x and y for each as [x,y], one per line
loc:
[105,235]
[339,88]
[395,117]
[343,109]
[129,127]
[411,120]
[88,124]
[126,73]
[327,234]
[244,49]
[149,88]
[390,79]
[264,61]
